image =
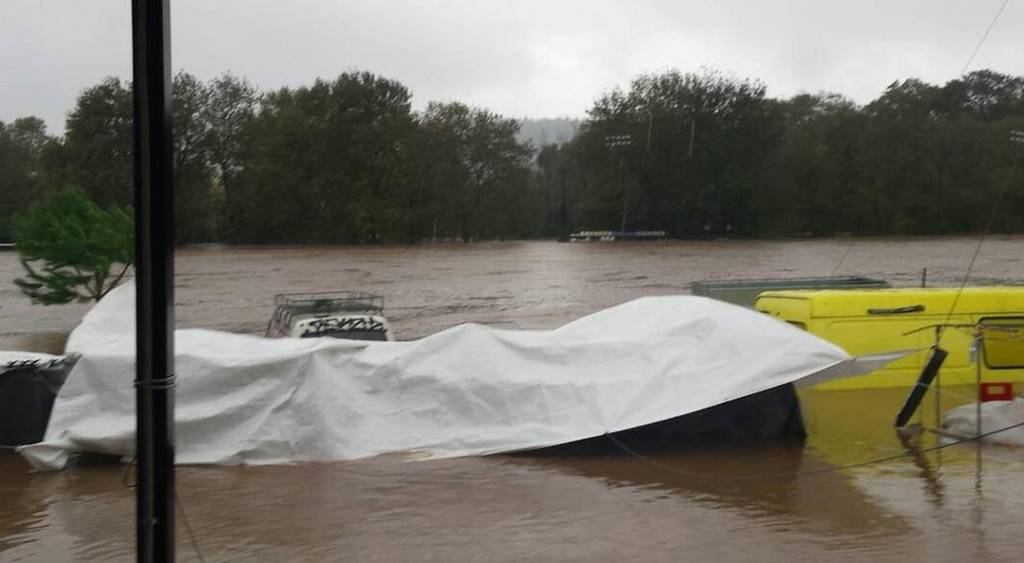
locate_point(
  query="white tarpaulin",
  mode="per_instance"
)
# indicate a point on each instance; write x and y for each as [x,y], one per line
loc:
[995,416]
[469,390]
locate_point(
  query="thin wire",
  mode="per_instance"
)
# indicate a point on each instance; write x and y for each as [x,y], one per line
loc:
[842,258]
[999,199]
[963,71]
[821,471]
[984,37]
[988,224]
[169,382]
[181,506]
[991,217]
[188,528]
[977,250]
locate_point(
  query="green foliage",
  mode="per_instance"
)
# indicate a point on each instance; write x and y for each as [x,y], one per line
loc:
[24,147]
[326,163]
[471,161]
[98,144]
[348,161]
[70,248]
[208,119]
[696,154]
[920,159]
[194,210]
[228,113]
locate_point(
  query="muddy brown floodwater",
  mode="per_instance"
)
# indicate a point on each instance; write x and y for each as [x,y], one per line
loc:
[753,503]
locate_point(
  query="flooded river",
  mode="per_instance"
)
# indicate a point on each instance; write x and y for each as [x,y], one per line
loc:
[756,503]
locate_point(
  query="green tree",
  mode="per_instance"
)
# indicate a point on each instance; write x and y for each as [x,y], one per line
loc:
[230,109]
[327,163]
[346,160]
[983,94]
[195,207]
[556,179]
[24,145]
[700,145]
[478,167]
[812,185]
[97,152]
[98,143]
[71,248]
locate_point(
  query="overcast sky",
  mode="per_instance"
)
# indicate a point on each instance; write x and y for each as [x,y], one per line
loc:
[518,57]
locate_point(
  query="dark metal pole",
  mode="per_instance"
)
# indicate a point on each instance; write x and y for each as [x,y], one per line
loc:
[154,277]
[931,369]
[563,205]
[625,198]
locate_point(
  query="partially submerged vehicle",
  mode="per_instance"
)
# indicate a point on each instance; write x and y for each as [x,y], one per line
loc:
[873,321]
[744,292]
[353,315]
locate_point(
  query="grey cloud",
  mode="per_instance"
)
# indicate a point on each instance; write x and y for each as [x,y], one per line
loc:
[524,57]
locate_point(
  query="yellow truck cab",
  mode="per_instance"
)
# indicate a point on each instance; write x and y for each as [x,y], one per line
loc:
[885,320]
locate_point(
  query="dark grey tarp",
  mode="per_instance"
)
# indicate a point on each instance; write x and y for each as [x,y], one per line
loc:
[27,392]
[772,414]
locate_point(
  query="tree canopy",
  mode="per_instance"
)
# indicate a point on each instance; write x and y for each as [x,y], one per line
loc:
[348,160]
[71,248]
[710,154]
[24,149]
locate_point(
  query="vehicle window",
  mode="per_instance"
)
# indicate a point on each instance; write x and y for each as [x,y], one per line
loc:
[1003,342]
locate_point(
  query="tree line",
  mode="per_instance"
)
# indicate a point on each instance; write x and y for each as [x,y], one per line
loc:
[693,154]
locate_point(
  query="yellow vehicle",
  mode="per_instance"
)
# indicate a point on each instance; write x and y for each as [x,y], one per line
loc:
[885,320]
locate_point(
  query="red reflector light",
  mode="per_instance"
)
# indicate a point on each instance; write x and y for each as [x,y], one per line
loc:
[995,392]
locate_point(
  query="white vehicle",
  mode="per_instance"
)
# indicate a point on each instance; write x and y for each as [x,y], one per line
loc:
[353,315]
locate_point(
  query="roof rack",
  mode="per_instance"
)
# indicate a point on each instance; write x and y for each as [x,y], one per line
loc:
[330,302]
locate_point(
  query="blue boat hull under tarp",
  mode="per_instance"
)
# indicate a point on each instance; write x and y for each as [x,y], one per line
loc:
[772,414]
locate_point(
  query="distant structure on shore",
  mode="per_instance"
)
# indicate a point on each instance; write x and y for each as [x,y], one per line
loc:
[610,236]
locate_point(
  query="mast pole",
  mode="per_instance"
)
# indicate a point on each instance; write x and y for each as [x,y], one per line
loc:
[154,280]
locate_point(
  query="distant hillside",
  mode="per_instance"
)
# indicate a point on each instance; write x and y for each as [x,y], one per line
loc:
[545,131]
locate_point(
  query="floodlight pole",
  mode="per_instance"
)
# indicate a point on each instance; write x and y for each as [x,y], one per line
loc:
[619,143]
[154,280]
[625,197]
